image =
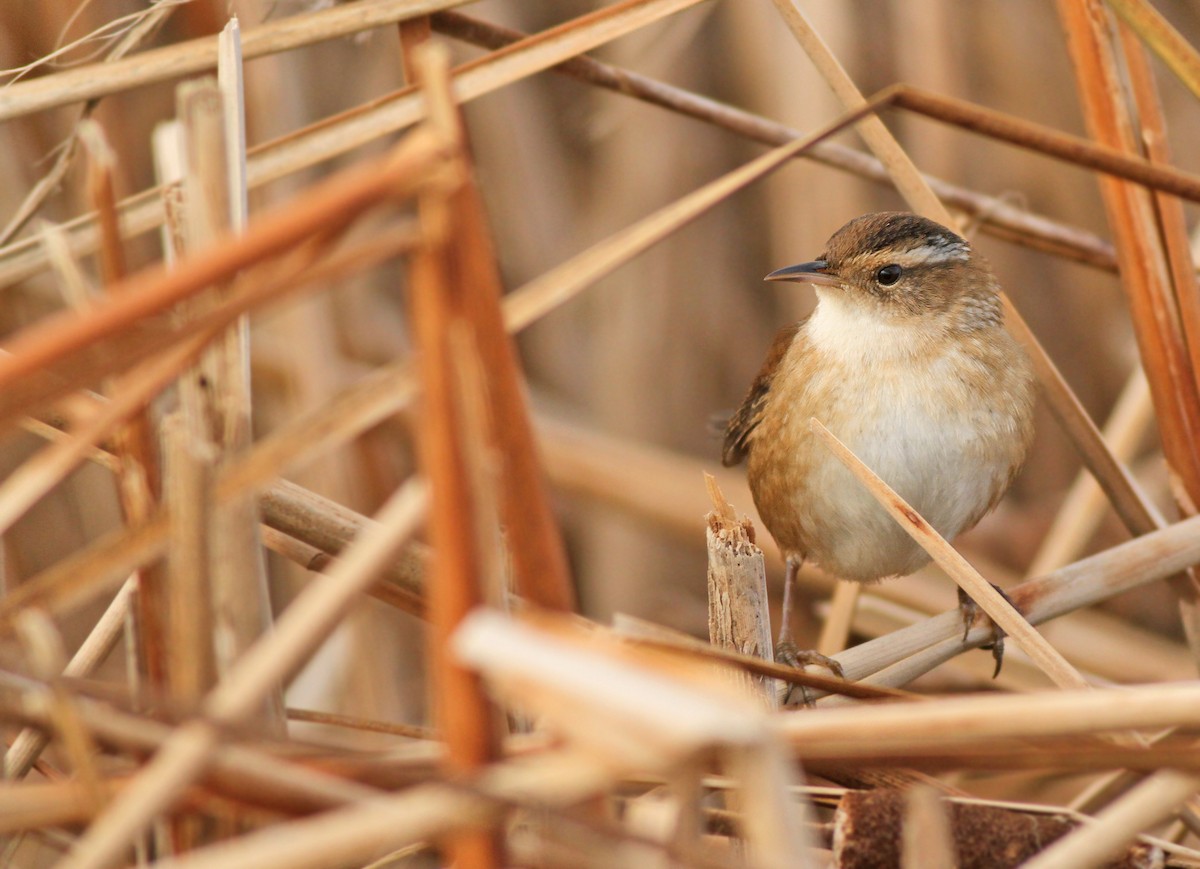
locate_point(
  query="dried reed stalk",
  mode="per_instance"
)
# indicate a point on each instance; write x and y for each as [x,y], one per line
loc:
[420,814]
[1140,251]
[1001,610]
[1083,507]
[362,823]
[143,29]
[1002,218]
[539,559]
[655,636]
[215,392]
[976,720]
[190,656]
[899,166]
[465,718]
[200,55]
[305,624]
[390,591]
[236,769]
[1162,38]
[626,714]
[309,620]
[329,528]
[68,342]
[191,665]
[124,552]
[926,837]
[44,653]
[139,477]
[354,723]
[907,653]
[29,743]
[1152,255]
[1115,827]
[336,136]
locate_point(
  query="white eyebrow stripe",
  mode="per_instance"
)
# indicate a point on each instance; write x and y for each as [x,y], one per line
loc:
[933,254]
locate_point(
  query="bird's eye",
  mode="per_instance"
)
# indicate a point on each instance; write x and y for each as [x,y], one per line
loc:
[888,274]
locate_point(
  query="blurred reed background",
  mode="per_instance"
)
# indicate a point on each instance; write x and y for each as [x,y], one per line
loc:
[626,378]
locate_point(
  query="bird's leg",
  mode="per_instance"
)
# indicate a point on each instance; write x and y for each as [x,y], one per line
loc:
[785,649]
[969,610]
[785,612]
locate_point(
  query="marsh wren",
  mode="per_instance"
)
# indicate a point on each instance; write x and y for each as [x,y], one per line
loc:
[906,359]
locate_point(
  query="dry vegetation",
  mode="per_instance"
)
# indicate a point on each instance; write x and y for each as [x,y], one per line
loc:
[296,543]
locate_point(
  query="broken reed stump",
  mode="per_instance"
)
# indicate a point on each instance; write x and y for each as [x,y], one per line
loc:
[738,614]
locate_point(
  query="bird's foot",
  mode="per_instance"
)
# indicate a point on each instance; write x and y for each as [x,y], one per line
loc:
[970,610]
[787,653]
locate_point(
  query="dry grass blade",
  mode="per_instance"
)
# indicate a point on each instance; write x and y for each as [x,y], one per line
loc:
[654,636]
[558,285]
[899,166]
[90,82]
[1164,40]
[84,130]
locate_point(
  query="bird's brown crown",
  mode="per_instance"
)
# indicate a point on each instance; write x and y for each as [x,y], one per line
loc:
[910,266]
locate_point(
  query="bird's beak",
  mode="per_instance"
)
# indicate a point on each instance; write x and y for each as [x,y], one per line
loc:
[806,273]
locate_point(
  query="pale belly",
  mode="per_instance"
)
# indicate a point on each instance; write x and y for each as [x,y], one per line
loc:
[932,449]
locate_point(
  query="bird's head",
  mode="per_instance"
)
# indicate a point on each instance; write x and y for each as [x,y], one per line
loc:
[903,267]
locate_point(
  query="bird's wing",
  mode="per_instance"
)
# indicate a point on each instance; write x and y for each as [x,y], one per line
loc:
[742,423]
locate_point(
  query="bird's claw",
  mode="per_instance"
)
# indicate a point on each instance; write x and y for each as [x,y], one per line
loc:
[970,610]
[787,653]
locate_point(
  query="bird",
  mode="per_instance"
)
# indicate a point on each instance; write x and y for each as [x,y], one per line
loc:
[906,359]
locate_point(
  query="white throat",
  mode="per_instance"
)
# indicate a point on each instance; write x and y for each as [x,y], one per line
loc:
[845,330]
